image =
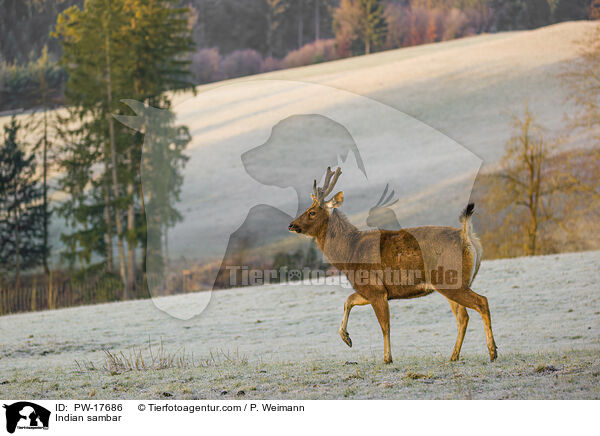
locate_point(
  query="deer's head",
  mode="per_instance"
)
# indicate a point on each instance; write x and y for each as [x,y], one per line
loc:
[316,217]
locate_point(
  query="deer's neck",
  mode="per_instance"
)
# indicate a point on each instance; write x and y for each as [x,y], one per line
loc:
[337,238]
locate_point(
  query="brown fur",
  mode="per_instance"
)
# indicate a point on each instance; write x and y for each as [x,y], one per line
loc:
[421,250]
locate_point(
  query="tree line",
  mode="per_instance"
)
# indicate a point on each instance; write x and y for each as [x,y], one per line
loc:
[271,27]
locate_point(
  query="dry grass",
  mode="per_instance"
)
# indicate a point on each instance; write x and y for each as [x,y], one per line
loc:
[155,358]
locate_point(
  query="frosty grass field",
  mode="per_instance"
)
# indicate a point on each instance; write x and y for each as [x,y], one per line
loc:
[281,341]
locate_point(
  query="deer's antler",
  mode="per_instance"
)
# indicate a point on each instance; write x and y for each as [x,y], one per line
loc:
[331,178]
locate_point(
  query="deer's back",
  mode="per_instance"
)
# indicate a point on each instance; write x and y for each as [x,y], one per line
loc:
[436,256]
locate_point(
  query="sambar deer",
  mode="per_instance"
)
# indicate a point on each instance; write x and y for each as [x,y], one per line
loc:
[385,256]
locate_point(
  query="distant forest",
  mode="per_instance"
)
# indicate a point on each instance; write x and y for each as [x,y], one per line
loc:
[231,25]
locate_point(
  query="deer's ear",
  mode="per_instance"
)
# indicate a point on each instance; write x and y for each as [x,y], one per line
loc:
[336,201]
[314,199]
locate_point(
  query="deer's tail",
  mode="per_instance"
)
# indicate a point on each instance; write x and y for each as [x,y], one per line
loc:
[470,240]
[465,218]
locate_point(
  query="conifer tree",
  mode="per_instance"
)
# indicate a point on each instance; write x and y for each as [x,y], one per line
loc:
[21,210]
[159,39]
[115,50]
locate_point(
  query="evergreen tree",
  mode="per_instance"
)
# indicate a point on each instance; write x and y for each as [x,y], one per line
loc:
[117,49]
[21,210]
[45,99]
[85,211]
[162,165]
[94,52]
[159,39]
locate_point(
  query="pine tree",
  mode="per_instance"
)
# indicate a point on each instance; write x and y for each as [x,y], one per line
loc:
[84,212]
[159,39]
[21,210]
[94,51]
[47,90]
[162,163]
[116,49]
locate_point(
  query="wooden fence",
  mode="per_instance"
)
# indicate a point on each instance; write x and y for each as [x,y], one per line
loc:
[55,295]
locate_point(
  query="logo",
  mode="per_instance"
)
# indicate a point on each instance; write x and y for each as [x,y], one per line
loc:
[26,415]
[225,188]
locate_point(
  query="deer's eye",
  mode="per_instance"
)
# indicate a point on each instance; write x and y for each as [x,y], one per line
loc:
[312,214]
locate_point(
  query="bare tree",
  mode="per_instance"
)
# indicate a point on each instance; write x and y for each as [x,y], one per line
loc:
[527,186]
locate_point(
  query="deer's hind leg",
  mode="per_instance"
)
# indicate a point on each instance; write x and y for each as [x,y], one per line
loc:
[466,297]
[353,300]
[462,320]
[382,311]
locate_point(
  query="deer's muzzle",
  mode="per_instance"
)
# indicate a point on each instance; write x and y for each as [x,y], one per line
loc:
[294,228]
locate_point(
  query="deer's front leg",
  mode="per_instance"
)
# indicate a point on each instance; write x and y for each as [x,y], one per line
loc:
[353,300]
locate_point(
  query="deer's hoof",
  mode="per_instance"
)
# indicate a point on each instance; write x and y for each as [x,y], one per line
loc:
[493,353]
[388,360]
[346,338]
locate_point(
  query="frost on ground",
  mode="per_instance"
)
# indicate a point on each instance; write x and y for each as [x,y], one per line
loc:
[281,341]
[573,374]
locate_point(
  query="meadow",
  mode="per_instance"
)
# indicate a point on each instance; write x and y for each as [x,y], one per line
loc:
[281,341]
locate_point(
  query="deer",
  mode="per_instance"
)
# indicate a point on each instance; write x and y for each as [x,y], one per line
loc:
[382,256]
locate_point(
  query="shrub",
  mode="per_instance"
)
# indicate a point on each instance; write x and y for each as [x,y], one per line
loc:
[205,65]
[241,63]
[271,64]
[321,50]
